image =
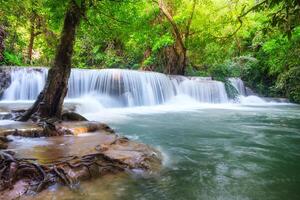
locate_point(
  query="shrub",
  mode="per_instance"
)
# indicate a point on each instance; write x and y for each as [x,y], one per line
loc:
[12,59]
[289,84]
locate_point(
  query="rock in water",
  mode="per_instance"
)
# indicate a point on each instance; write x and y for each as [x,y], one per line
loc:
[5,80]
[72,116]
[69,160]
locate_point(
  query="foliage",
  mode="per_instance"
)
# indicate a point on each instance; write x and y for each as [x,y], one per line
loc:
[289,84]
[219,72]
[12,59]
[257,40]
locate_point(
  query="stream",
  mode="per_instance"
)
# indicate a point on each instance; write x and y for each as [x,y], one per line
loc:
[213,147]
[211,151]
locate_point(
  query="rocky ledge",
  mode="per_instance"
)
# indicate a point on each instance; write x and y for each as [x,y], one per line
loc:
[81,150]
[5,80]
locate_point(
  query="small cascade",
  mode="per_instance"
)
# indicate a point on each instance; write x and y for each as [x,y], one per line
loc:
[204,91]
[121,88]
[239,85]
[26,83]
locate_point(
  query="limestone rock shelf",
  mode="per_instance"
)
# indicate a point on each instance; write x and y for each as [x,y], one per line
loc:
[87,150]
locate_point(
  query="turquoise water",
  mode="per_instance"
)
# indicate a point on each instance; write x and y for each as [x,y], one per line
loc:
[228,152]
[223,153]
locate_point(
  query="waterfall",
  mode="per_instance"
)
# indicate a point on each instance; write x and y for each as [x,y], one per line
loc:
[204,91]
[239,85]
[26,83]
[130,88]
[121,87]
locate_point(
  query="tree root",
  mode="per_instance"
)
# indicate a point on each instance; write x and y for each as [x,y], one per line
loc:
[67,172]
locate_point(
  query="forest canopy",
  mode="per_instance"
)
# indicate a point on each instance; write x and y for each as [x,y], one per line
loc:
[254,39]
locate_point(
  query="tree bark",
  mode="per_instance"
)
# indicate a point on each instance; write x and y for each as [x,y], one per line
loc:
[35,30]
[50,101]
[31,41]
[2,47]
[176,54]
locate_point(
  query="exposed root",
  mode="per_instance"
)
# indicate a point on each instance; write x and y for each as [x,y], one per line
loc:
[66,172]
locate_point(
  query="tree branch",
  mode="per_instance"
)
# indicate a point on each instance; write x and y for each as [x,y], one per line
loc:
[188,26]
[177,33]
[241,16]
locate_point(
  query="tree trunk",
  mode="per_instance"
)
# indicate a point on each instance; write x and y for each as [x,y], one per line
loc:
[175,60]
[146,66]
[176,55]
[50,101]
[2,47]
[31,41]
[34,32]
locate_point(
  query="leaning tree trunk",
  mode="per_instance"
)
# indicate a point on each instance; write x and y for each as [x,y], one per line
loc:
[2,36]
[50,101]
[176,55]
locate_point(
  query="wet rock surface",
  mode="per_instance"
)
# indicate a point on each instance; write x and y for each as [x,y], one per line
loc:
[25,129]
[5,80]
[86,150]
[72,116]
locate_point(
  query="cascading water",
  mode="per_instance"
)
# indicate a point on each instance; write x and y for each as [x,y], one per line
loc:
[204,91]
[239,85]
[130,88]
[26,83]
[121,88]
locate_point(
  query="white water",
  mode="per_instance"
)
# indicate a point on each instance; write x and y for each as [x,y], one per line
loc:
[239,85]
[119,88]
[26,84]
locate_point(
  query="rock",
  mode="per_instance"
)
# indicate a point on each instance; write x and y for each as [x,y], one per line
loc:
[249,92]
[19,188]
[135,155]
[5,139]
[5,80]
[25,129]
[112,155]
[3,145]
[67,160]
[81,127]
[55,128]
[3,142]
[72,116]
[5,116]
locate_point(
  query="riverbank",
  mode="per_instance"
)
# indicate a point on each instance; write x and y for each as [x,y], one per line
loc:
[75,151]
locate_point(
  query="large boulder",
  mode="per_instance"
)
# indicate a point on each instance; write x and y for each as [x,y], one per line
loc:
[72,116]
[107,154]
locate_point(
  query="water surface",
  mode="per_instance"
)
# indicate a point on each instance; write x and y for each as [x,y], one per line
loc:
[221,151]
[248,152]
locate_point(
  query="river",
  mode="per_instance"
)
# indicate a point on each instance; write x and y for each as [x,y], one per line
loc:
[213,147]
[220,151]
